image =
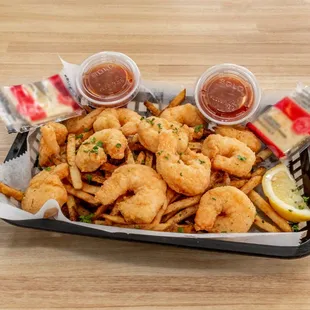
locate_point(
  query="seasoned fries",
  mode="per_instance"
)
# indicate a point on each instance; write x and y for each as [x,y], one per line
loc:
[264,206]
[177,209]
[151,107]
[178,99]
[262,224]
[11,192]
[74,170]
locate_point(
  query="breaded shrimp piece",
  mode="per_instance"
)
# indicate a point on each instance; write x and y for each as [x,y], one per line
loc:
[187,174]
[150,128]
[225,209]
[149,192]
[229,154]
[42,187]
[53,136]
[93,152]
[186,114]
[123,119]
[241,134]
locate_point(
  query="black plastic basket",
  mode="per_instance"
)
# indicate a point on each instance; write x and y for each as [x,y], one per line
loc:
[20,145]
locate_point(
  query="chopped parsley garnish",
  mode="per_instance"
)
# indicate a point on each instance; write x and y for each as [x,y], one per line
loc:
[142,118]
[300,207]
[224,232]
[93,140]
[159,126]
[150,121]
[167,157]
[137,227]
[143,162]
[201,161]
[306,199]
[241,158]
[94,149]
[213,198]
[48,168]
[179,161]
[85,143]
[175,130]
[118,145]
[290,210]
[80,136]
[89,178]
[180,229]
[181,174]
[295,227]
[86,129]
[86,218]
[198,128]
[99,144]
[159,153]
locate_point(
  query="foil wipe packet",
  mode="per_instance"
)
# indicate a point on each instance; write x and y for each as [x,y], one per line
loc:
[26,106]
[285,126]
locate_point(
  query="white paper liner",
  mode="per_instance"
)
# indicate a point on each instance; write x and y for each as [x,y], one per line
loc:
[18,172]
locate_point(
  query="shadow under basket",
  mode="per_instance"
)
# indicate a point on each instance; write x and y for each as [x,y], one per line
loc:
[303,249]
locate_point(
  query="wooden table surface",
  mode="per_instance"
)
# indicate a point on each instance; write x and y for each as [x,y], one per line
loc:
[173,41]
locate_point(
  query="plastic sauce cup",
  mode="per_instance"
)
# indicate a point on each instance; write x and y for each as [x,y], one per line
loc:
[227,94]
[108,79]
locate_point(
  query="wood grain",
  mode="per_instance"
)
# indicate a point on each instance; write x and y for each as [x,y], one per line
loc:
[173,41]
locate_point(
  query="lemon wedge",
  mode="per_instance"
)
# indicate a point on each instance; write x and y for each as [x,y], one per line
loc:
[280,188]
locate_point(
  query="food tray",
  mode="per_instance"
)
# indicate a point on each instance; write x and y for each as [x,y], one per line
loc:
[299,167]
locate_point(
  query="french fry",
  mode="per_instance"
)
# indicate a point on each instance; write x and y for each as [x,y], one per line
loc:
[100,210]
[226,179]
[263,155]
[182,204]
[93,177]
[168,216]
[90,189]
[74,170]
[85,123]
[108,167]
[259,171]
[160,213]
[82,211]
[115,210]
[11,192]
[151,107]
[62,170]
[182,215]
[73,215]
[188,228]
[251,184]
[264,206]
[175,197]
[149,159]
[129,157]
[49,136]
[262,224]
[195,146]
[56,159]
[238,183]
[114,218]
[178,99]
[82,195]
[141,158]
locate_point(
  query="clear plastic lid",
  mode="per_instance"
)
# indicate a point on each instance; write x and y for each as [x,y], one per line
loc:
[227,94]
[108,79]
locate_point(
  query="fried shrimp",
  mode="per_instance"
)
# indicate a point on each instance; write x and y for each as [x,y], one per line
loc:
[93,152]
[53,136]
[149,192]
[123,119]
[150,128]
[229,154]
[188,173]
[185,114]
[225,209]
[42,187]
[241,134]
